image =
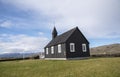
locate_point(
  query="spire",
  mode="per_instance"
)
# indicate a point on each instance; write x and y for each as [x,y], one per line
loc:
[54,33]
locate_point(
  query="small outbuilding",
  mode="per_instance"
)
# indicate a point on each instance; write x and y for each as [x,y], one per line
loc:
[69,45]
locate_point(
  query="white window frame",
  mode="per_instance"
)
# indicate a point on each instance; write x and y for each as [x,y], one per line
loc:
[72,49]
[52,50]
[59,48]
[46,50]
[84,48]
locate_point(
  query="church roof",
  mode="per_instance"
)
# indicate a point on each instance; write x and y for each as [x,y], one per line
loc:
[62,38]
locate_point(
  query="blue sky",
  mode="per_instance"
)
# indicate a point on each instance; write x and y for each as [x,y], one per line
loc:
[26,25]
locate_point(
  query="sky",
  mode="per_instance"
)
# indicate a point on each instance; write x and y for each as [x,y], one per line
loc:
[26,25]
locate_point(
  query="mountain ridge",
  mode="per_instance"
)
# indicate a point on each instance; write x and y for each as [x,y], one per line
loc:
[106,49]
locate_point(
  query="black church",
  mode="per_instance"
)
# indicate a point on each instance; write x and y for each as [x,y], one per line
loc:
[69,45]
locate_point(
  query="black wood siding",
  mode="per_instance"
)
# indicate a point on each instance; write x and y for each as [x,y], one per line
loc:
[78,39]
[56,54]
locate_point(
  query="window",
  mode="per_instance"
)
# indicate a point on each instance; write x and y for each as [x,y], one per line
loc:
[46,50]
[52,50]
[72,47]
[59,48]
[84,47]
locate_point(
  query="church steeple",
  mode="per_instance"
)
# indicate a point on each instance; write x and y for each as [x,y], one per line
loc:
[54,33]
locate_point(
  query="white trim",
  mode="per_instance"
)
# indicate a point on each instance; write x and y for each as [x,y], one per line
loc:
[55,58]
[52,50]
[84,49]
[59,48]
[72,47]
[76,58]
[46,50]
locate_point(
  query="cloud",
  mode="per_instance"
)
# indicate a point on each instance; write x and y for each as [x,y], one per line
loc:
[21,43]
[40,33]
[6,24]
[96,18]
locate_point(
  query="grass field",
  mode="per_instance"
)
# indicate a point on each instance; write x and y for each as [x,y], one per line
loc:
[95,67]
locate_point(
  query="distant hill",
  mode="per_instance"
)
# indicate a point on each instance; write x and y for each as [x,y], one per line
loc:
[21,55]
[106,49]
[14,55]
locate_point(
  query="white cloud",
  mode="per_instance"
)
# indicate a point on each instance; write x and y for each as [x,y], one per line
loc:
[96,18]
[19,43]
[6,24]
[40,33]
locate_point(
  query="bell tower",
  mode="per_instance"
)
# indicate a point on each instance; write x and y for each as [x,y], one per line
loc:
[54,33]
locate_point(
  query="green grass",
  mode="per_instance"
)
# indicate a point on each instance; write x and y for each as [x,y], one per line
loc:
[95,67]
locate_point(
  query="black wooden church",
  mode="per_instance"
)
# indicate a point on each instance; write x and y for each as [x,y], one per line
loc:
[69,45]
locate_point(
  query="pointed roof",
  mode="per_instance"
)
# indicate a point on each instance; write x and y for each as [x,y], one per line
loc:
[54,30]
[63,37]
[54,33]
